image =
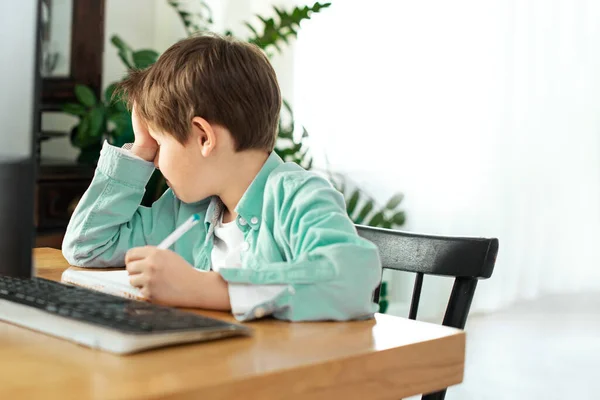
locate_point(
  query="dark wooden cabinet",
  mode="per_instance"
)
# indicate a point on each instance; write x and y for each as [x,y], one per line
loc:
[59,188]
[60,184]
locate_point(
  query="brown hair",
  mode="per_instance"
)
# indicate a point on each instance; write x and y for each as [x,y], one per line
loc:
[223,80]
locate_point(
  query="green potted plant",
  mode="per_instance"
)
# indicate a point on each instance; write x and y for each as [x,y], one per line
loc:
[99,119]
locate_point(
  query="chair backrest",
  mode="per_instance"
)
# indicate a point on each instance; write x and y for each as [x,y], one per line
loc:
[464,258]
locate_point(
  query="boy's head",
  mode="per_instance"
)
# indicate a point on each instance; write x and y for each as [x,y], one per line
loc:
[225,81]
[206,88]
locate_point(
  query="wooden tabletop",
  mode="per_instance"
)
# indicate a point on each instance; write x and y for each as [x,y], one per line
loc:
[384,358]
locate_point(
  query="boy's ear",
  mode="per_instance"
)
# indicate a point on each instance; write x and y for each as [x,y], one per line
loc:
[204,135]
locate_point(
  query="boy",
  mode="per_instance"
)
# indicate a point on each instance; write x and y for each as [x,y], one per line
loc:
[273,238]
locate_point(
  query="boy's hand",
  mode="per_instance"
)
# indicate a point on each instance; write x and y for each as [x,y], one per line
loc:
[165,277]
[144,146]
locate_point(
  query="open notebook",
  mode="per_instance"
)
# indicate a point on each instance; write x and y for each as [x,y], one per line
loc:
[111,282]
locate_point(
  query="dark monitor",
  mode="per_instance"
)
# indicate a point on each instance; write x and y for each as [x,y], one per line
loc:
[19,120]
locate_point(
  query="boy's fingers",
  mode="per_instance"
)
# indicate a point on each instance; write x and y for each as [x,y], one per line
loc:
[135,267]
[138,253]
[137,280]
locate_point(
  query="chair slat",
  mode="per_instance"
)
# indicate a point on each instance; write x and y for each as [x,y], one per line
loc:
[416,296]
[460,302]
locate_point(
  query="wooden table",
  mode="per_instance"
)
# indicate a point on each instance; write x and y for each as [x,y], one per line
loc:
[384,358]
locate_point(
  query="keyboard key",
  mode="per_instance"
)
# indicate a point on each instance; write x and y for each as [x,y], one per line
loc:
[64,311]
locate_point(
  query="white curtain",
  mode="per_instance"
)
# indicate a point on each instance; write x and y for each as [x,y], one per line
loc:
[485,114]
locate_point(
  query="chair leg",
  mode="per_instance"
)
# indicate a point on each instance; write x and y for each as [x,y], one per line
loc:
[435,396]
[376,294]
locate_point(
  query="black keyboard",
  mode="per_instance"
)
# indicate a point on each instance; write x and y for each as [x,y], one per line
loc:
[128,316]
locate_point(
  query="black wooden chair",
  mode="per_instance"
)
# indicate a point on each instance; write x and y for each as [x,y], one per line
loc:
[464,258]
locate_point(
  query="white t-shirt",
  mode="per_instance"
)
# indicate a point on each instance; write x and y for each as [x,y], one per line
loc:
[228,246]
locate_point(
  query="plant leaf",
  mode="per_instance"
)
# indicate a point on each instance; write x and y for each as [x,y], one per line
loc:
[89,154]
[351,205]
[193,21]
[82,138]
[376,220]
[121,106]
[394,201]
[249,27]
[97,119]
[144,58]
[109,92]
[287,107]
[74,109]
[286,26]
[367,208]
[123,127]
[342,186]
[124,56]
[285,134]
[309,164]
[119,43]
[124,51]
[85,95]
[283,153]
[399,218]
[185,17]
